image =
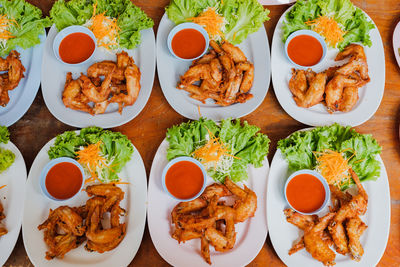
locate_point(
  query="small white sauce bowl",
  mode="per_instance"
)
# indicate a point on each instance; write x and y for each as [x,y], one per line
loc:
[67,31]
[180,159]
[322,180]
[51,164]
[187,25]
[309,33]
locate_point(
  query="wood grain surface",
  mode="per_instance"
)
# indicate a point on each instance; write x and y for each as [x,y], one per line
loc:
[148,129]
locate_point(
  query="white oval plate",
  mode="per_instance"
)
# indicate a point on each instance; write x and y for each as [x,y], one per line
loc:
[396,43]
[53,80]
[37,210]
[250,237]
[12,198]
[256,49]
[21,98]
[283,234]
[370,95]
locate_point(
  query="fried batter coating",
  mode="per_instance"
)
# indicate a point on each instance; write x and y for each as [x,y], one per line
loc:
[355,228]
[3,230]
[10,80]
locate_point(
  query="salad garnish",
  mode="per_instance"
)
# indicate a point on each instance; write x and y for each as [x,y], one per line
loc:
[7,157]
[338,21]
[115,23]
[232,20]
[333,150]
[21,24]
[102,153]
[225,149]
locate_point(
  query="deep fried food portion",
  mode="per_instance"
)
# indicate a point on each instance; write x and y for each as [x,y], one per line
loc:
[3,230]
[90,93]
[14,73]
[210,219]
[355,228]
[224,75]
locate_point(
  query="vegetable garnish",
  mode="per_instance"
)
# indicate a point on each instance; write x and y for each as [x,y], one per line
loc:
[334,167]
[328,28]
[5,24]
[226,149]
[302,148]
[212,21]
[104,28]
[102,153]
[1,187]
[7,157]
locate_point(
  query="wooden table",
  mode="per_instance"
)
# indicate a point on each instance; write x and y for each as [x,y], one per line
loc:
[148,129]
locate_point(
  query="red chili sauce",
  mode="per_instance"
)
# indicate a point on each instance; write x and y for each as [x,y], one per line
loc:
[63,180]
[305,50]
[188,43]
[305,193]
[76,48]
[184,179]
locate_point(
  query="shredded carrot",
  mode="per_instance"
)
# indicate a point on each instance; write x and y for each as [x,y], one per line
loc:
[198,109]
[1,187]
[5,23]
[102,27]
[91,158]
[329,28]
[121,183]
[211,21]
[334,167]
[212,151]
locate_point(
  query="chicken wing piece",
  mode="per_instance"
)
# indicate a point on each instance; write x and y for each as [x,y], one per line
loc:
[353,50]
[248,76]
[349,99]
[94,93]
[206,59]
[300,220]
[235,52]
[314,243]
[105,67]
[72,96]
[355,228]
[15,70]
[216,46]
[205,249]
[315,92]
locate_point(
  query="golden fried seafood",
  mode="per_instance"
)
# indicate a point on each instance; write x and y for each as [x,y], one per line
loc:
[337,85]
[3,230]
[89,93]
[224,75]
[66,228]
[211,220]
[14,73]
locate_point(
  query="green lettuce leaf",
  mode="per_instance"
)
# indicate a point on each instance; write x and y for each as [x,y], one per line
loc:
[74,12]
[245,143]
[6,159]
[115,147]
[360,149]
[4,135]
[243,17]
[28,26]
[352,19]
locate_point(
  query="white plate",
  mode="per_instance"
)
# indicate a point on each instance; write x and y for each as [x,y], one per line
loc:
[396,43]
[283,234]
[22,96]
[37,210]
[370,96]
[256,49]
[53,80]
[250,236]
[12,198]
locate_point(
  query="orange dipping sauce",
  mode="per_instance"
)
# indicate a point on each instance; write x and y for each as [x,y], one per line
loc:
[184,179]
[63,180]
[76,48]
[188,43]
[305,193]
[305,50]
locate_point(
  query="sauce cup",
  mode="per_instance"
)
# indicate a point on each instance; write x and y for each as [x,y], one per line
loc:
[183,26]
[310,33]
[180,160]
[49,166]
[67,31]
[323,182]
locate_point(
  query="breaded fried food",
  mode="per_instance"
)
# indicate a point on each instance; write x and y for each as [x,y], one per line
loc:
[3,230]
[14,73]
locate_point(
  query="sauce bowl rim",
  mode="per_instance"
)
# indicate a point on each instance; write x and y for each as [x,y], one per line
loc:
[180,159]
[183,26]
[47,168]
[67,31]
[311,33]
[321,179]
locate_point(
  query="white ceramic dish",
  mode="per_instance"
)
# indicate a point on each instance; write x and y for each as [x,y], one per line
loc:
[37,209]
[67,31]
[396,43]
[370,95]
[21,98]
[250,235]
[256,49]
[12,199]
[53,80]
[283,234]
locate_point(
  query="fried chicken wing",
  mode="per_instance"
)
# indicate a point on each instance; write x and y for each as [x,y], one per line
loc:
[14,73]
[234,51]
[73,97]
[355,228]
